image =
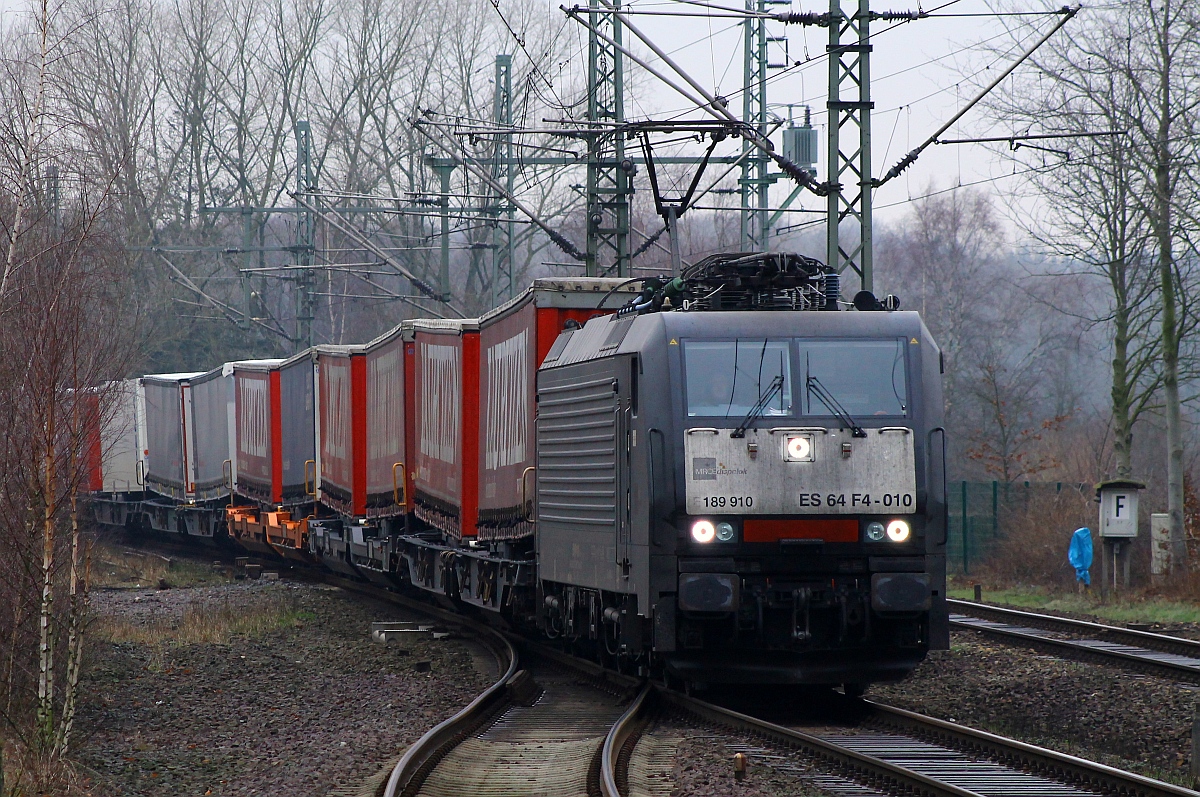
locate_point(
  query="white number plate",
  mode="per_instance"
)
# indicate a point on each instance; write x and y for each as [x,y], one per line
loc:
[847,475]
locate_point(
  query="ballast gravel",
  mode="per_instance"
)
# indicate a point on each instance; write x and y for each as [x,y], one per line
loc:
[704,765]
[1126,720]
[312,707]
[1103,713]
[309,707]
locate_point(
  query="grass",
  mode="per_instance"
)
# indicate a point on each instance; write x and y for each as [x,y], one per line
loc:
[212,625]
[116,567]
[1133,607]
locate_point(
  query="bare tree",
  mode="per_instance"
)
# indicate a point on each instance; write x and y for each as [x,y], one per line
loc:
[1125,208]
[65,326]
[1081,207]
[1007,365]
[947,261]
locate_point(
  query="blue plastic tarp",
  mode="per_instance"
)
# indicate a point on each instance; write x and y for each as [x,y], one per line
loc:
[1080,554]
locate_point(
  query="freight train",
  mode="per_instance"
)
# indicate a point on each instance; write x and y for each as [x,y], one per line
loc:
[731,476]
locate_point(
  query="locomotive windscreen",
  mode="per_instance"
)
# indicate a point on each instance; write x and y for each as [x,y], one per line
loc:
[866,376]
[725,378]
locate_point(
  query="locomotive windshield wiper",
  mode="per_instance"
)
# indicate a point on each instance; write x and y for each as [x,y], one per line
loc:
[833,405]
[759,406]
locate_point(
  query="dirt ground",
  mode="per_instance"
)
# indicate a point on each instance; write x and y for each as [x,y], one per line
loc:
[180,697]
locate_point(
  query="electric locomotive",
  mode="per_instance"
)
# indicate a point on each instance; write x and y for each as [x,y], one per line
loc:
[737,484]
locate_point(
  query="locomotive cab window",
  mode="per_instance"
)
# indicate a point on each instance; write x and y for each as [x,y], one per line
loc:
[866,377]
[726,378]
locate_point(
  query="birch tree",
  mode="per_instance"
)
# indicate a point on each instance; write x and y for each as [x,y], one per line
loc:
[65,326]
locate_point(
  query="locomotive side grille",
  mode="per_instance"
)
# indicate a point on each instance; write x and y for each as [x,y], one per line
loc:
[577,453]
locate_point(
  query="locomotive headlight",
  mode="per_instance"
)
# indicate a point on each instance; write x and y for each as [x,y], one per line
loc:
[703,531]
[898,531]
[875,531]
[798,448]
[724,531]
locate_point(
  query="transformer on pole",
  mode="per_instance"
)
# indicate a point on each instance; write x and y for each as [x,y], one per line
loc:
[608,170]
[849,155]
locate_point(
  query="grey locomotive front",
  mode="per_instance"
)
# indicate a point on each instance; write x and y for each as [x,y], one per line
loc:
[773,512]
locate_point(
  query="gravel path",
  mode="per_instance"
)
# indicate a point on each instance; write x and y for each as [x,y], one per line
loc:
[1134,722]
[296,709]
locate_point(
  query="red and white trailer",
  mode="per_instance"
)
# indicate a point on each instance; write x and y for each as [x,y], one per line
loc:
[341,428]
[472,423]
[513,341]
[386,436]
[273,426]
[446,424]
[113,463]
[361,454]
[274,463]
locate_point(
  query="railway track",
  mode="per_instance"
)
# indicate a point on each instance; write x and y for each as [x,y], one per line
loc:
[562,725]
[1143,651]
[558,726]
[879,749]
[874,749]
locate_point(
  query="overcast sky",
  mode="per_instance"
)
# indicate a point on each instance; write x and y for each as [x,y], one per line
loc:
[923,71]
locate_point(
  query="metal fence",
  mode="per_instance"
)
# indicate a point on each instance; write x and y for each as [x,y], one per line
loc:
[982,514]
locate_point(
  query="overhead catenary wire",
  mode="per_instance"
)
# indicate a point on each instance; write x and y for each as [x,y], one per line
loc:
[709,104]
[390,294]
[520,40]
[369,245]
[229,312]
[928,195]
[465,217]
[465,160]
[799,66]
[1066,15]
[1034,137]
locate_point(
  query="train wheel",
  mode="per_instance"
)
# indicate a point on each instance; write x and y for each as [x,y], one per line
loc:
[854,689]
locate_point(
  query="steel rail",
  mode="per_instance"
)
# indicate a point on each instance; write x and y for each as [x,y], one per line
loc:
[1128,636]
[1136,661]
[423,755]
[1153,654]
[1037,761]
[851,763]
[613,760]
[624,731]
[408,775]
